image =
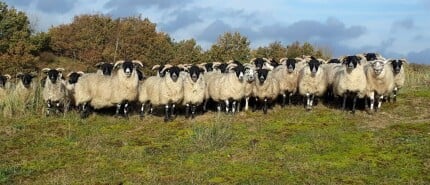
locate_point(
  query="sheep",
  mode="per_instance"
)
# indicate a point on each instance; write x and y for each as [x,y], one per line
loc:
[167,91]
[102,91]
[211,71]
[350,80]
[312,81]
[160,70]
[330,70]
[54,91]
[249,77]
[194,89]
[259,62]
[4,85]
[25,88]
[380,81]
[399,75]
[73,78]
[104,68]
[266,87]
[227,86]
[287,75]
[373,56]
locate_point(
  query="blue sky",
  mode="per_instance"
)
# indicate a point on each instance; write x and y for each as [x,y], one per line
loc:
[394,28]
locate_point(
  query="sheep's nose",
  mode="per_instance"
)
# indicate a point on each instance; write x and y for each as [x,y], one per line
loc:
[314,70]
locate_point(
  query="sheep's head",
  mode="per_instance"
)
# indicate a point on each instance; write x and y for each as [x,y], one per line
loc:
[105,67]
[26,78]
[397,64]
[334,61]
[53,74]
[314,64]
[4,79]
[351,62]
[378,66]
[208,67]
[223,67]
[274,63]
[372,56]
[238,69]
[74,76]
[258,62]
[173,72]
[291,64]
[250,72]
[160,70]
[262,75]
[195,72]
[127,66]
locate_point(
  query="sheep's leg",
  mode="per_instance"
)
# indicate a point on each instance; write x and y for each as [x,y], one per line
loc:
[187,110]
[308,101]
[238,105]
[395,94]
[380,101]
[142,110]
[311,102]
[246,103]
[233,106]
[57,107]
[218,107]
[166,113]
[289,98]
[284,98]
[84,111]
[151,109]
[344,101]
[193,111]
[227,105]
[265,106]
[254,108]
[49,105]
[126,109]
[172,113]
[205,103]
[118,108]
[354,101]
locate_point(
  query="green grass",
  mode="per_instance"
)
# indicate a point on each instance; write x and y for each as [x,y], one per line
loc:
[286,146]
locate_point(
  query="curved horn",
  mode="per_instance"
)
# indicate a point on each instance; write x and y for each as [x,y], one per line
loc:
[283,60]
[18,75]
[232,65]
[99,64]
[404,61]
[120,62]
[60,69]
[216,64]
[45,70]
[139,63]
[248,65]
[7,76]
[156,67]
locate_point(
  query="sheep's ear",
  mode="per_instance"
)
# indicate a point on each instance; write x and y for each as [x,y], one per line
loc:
[7,76]
[137,63]
[60,69]
[99,64]
[80,73]
[45,70]
[252,60]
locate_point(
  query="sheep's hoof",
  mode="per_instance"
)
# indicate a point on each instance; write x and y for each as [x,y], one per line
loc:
[308,108]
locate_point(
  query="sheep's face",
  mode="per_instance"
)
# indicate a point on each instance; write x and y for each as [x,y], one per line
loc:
[174,72]
[262,75]
[377,66]
[274,63]
[194,72]
[351,62]
[334,61]
[239,70]
[54,75]
[3,80]
[259,62]
[106,68]
[73,77]
[26,79]
[127,68]
[371,56]
[291,64]
[397,65]
[249,74]
[314,64]
[209,67]
[161,72]
[223,67]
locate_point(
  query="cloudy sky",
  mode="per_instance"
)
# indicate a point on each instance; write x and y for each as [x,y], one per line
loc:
[394,28]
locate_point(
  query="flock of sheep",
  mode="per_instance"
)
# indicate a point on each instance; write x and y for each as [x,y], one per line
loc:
[366,76]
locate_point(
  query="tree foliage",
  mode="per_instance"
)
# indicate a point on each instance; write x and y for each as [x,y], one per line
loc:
[16,47]
[274,50]
[230,46]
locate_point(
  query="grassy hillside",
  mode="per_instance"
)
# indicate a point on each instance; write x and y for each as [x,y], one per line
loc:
[286,146]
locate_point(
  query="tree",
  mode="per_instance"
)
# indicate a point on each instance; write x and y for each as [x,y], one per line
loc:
[187,51]
[16,47]
[275,50]
[230,46]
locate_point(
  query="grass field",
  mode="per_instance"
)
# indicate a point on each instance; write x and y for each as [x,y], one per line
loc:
[286,146]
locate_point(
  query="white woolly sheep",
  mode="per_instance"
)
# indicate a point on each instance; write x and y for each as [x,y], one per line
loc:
[380,81]
[312,81]
[249,78]
[25,88]
[102,91]
[399,75]
[350,80]
[194,89]
[217,86]
[54,91]
[104,68]
[266,87]
[4,85]
[72,79]
[287,75]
